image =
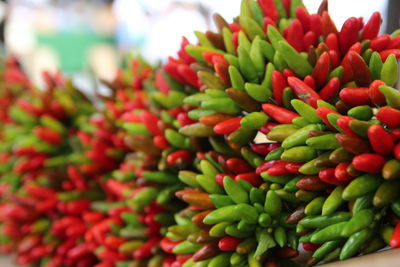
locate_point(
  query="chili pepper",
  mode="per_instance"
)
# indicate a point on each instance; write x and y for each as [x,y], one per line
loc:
[361,186]
[386,193]
[371,28]
[389,116]
[380,43]
[394,241]
[354,243]
[361,220]
[279,114]
[348,34]
[236,78]
[257,56]
[315,206]
[389,73]
[353,144]
[266,241]
[321,69]
[227,126]
[329,233]
[371,163]
[380,140]
[333,201]
[391,169]
[311,183]
[303,91]
[328,176]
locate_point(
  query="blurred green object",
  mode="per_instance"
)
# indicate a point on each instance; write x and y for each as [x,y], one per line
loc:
[72,47]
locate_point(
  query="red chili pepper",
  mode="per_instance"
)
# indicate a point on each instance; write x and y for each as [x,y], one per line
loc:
[361,73]
[323,112]
[311,183]
[228,243]
[189,75]
[352,144]
[304,17]
[396,151]
[316,24]
[213,57]
[269,9]
[309,39]
[328,25]
[222,72]
[371,163]
[371,28]
[348,35]
[375,94]
[330,90]
[48,135]
[328,176]
[279,114]
[395,240]
[395,133]
[380,42]
[145,251]
[311,246]
[182,52]
[389,116]
[161,142]
[278,169]
[278,84]
[343,123]
[264,148]
[355,96]
[303,91]
[267,127]
[332,42]
[151,122]
[168,245]
[227,126]
[181,155]
[234,27]
[171,67]
[341,172]
[287,73]
[385,53]
[237,165]
[394,43]
[295,35]
[381,141]
[250,177]
[321,69]
[309,80]
[293,167]
[335,60]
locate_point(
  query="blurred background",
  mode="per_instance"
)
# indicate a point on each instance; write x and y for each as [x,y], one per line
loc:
[88,38]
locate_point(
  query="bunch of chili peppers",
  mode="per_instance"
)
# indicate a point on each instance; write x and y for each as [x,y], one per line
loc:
[278,130]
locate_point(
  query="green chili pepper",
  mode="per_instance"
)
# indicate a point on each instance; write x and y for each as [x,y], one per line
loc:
[254,120]
[221,200]
[390,70]
[306,111]
[257,195]
[218,230]
[287,196]
[273,204]
[223,214]
[375,244]
[324,142]
[258,92]
[296,62]
[275,154]
[209,184]
[315,206]
[392,96]
[340,155]
[300,136]
[386,193]
[186,247]
[242,136]
[276,179]
[361,186]
[234,231]
[310,168]
[188,177]
[280,134]
[221,260]
[359,221]
[361,127]
[391,169]
[237,80]
[324,221]
[269,52]
[257,57]
[396,207]
[291,185]
[227,36]
[326,248]
[355,241]
[222,105]
[375,66]
[337,72]
[361,112]
[329,233]
[332,118]
[280,236]
[305,196]
[333,202]
[252,158]
[299,154]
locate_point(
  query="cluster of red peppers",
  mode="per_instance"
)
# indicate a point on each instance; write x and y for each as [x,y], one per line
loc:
[276,132]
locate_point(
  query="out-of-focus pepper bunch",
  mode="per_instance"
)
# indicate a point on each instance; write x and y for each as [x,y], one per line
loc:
[277,131]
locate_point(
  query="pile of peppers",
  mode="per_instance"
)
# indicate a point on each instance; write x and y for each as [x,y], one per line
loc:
[278,133]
